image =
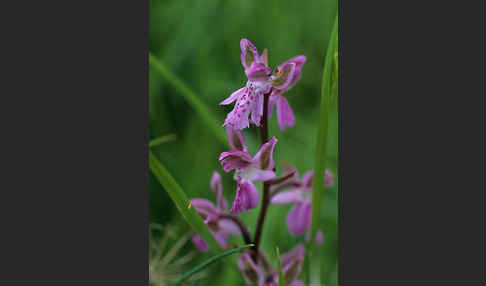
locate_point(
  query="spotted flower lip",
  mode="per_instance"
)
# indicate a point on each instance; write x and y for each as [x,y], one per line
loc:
[249,99]
[299,216]
[220,228]
[248,168]
[259,275]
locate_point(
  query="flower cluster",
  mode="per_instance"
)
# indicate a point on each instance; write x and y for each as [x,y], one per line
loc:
[249,99]
[264,90]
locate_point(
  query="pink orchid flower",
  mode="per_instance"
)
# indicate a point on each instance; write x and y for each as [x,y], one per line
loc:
[248,168]
[299,216]
[220,227]
[249,99]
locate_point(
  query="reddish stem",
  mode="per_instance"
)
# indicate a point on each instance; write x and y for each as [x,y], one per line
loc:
[266,185]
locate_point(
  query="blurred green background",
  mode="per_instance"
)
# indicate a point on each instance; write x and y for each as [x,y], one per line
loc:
[198,41]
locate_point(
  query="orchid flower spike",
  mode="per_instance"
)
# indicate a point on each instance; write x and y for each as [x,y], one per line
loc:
[220,227]
[249,99]
[248,168]
[262,274]
[299,216]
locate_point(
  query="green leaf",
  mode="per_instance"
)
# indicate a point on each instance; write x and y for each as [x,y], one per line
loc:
[162,139]
[281,278]
[208,262]
[213,124]
[321,149]
[181,201]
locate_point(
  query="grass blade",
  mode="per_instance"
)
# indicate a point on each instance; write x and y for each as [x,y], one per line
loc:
[162,139]
[181,201]
[328,78]
[213,124]
[208,262]
[281,278]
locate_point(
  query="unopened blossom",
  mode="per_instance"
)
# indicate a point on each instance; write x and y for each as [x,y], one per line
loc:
[220,227]
[300,195]
[249,99]
[262,274]
[248,168]
[285,115]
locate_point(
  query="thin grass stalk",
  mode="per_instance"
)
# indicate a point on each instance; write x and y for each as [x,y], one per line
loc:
[208,262]
[212,123]
[181,201]
[321,156]
[162,139]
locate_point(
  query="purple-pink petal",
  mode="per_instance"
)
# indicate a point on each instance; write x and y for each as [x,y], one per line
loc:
[237,206]
[247,197]
[205,207]
[292,263]
[294,253]
[238,117]
[229,226]
[234,96]
[261,175]
[221,237]
[282,79]
[287,197]
[217,187]
[307,179]
[272,100]
[257,110]
[285,115]
[236,139]
[299,62]
[299,217]
[245,156]
[249,53]
[264,156]
[234,160]
[258,72]
[264,57]
[250,196]
[199,243]
[232,163]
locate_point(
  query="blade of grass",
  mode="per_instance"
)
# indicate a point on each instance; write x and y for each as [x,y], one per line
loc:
[281,278]
[162,139]
[208,262]
[181,201]
[213,124]
[321,149]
